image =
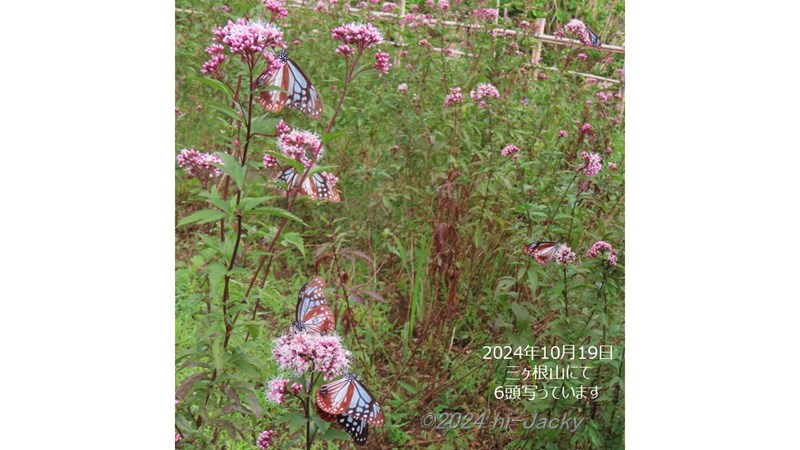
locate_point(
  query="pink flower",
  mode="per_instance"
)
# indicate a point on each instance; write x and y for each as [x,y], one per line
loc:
[344,50]
[225,8]
[509,150]
[484,90]
[417,20]
[605,96]
[360,35]
[299,351]
[276,8]
[248,38]
[414,8]
[199,165]
[402,87]
[485,13]
[270,161]
[296,388]
[178,438]
[608,60]
[281,128]
[582,56]
[389,7]
[264,440]
[591,163]
[612,166]
[602,246]
[424,43]
[430,4]
[276,390]
[301,145]
[608,150]
[444,5]
[587,127]
[565,255]
[453,98]
[576,27]
[542,76]
[216,59]
[330,178]
[382,63]
[562,133]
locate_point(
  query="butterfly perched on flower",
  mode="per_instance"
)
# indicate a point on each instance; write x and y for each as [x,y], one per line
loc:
[297,91]
[592,37]
[317,186]
[312,314]
[542,252]
[353,405]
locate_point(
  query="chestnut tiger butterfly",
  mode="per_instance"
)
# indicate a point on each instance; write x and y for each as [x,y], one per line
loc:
[312,314]
[315,185]
[353,405]
[542,252]
[297,91]
[593,37]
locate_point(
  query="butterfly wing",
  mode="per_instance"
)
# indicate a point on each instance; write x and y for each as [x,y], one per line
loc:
[312,311]
[593,37]
[358,429]
[301,94]
[323,189]
[542,252]
[334,397]
[315,186]
[364,406]
[274,100]
[325,416]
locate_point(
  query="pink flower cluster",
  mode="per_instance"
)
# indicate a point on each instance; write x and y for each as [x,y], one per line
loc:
[389,7]
[509,150]
[402,88]
[575,27]
[562,133]
[216,59]
[382,63]
[485,13]
[178,438]
[276,390]
[298,351]
[276,8]
[330,178]
[301,145]
[454,97]
[360,35]
[601,246]
[605,96]
[485,90]
[199,165]
[344,50]
[264,440]
[591,163]
[612,167]
[444,5]
[565,255]
[247,38]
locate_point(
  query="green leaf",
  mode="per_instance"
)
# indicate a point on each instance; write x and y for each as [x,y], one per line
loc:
[203,216]
[280,212]
[216,84]
[227,110]
[295,239]
[232,168]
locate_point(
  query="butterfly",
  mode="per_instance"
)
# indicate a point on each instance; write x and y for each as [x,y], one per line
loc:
[312,314]
[592,37]
[347,396]
[315,185]
[358,429]
[298,93]
[542,252]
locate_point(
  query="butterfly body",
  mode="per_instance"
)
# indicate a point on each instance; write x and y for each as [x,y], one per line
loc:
[314,186]
[312,314]
[543,252]
[296,92]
